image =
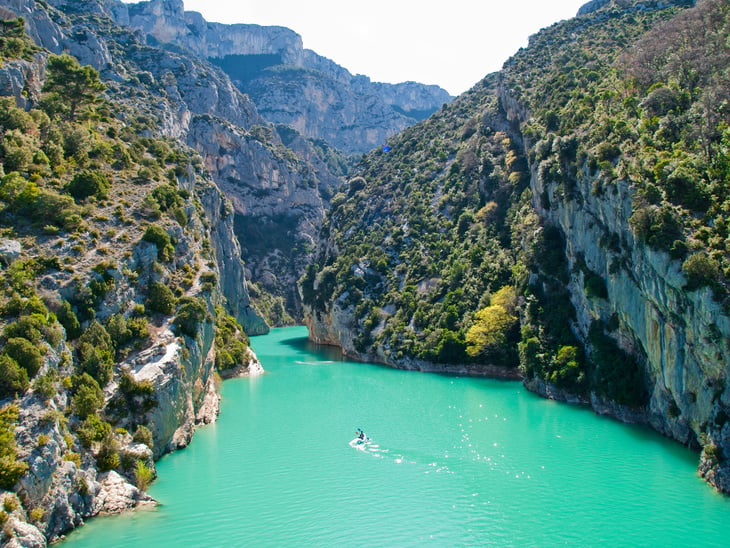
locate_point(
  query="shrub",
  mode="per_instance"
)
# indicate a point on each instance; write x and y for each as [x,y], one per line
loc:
[45,385]
[133,388]
[67,318]
[595,286]
[11,503]
[96,353]
[160,299]
[37,514]
[143,475]
[157,235]
[93,429]
[25,353]
[167,197]
[13,378]
[29,327]
[108,457]
[88,184]
[88,397]
[701,270]
[11,469]
[73,457]
[190,313]
[230,341]
[143,435]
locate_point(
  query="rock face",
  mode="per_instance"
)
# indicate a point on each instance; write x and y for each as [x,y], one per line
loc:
[677,335]
[288,84]
[266,181]
[175,369]
[681,337]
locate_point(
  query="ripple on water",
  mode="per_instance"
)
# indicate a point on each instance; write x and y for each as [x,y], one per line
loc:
[454,462]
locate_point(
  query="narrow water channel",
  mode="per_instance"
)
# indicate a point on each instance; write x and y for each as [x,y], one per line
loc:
[452,462]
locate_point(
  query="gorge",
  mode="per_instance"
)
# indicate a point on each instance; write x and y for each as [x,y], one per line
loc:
[564,222]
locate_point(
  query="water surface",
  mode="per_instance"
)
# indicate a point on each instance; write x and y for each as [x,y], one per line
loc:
[453,462]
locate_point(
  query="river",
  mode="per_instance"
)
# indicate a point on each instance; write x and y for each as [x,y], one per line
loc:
[453,462]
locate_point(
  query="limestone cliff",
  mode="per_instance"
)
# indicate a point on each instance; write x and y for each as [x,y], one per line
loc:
[618,254]
[288,84]
[122,292]
[184,97]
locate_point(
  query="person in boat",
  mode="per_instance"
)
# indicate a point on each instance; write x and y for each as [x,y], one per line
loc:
[360,434]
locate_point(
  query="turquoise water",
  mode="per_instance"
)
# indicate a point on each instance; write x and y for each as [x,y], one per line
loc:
[453,462]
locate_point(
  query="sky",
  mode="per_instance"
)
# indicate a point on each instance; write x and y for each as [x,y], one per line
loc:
[453,43]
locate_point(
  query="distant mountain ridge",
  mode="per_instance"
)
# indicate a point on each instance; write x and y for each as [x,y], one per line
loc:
[289,84]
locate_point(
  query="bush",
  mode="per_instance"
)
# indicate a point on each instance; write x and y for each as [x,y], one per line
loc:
[11,469]
[25,353]
[230,341]
[93,429]
[88,397]
[108,457]
[701,270]
[45,386]
[167,197]
[160,299]
[67,318]
[13,378]
[157,235]
[189,315]
[11,503]
[37,514]
[595,286]
[143,475]
[96,353]
[89,184]
[144,435]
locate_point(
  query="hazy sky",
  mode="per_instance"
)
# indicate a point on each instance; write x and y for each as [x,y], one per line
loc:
[453,43]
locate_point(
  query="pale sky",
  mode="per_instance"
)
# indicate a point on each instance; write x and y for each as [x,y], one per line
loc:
[453,44]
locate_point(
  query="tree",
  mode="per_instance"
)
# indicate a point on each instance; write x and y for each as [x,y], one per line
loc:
[492,325]
[13,378]
[96,353]
[192,311]
[11,468]
[89,183]
[72,86]
[157,235]
[25,353]
[161,299]
[88,397]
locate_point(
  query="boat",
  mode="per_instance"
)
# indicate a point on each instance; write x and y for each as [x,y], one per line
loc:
[359,443]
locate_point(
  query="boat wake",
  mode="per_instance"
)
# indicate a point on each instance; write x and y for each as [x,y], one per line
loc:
[373,449]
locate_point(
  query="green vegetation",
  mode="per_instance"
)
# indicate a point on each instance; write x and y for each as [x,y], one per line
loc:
[143,475]
[143,435]
[230,341]
[14,43]
[190,313]
[428,233]
[425,237]
[495,331]
[71,87]
[11,469]
[82,183]
[157,235]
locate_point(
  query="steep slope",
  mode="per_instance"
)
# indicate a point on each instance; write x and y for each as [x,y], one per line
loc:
[187,98]
[113,306]
[288,84]
[122,282]
[582,189]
